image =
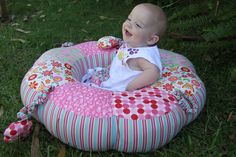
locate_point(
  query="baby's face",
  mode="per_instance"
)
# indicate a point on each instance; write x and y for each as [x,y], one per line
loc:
[139,27]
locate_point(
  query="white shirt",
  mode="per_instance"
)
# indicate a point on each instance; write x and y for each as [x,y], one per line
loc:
[120,73]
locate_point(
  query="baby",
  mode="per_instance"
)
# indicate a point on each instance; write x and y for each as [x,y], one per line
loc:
[137,63]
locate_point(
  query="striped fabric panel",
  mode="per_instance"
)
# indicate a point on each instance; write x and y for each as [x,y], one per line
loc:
[28,95]
[199,97]
[23,90]
[146,135]
[99,134]
[86,133]
[202,96]
[76,71]
[83,64]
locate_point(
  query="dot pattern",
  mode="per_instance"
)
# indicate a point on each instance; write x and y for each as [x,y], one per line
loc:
[82,99]
[143,104]
[91,48]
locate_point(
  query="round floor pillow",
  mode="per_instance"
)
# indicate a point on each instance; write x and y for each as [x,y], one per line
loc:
[95,119]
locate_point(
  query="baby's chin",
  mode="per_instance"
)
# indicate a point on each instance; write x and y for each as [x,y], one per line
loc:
[130,44]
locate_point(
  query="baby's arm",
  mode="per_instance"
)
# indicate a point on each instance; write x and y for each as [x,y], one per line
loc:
[149,75]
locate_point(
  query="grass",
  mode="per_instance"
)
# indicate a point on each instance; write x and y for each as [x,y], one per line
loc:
[46,24]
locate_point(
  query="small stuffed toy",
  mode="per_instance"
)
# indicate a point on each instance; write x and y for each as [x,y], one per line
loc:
[23,127]
[108,42]
[17,130]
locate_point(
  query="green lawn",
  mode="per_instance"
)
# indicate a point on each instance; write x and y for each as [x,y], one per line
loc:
[39,25]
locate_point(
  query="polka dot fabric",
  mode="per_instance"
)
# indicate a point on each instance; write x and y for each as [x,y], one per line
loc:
[83,100]
[94,119]
[143,104]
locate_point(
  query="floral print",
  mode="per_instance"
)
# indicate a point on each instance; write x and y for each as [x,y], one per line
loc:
[178,86]
[124,52]
[68,66]
[108,42]
[185,69]
[32,77]
[181,82]
[33,84]
[132,51]
[48,72]
[166,74]
[168,87]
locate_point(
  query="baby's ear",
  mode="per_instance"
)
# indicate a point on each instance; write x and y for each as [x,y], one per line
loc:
[154,39]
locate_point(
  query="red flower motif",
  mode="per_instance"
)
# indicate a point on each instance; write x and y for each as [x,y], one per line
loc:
[196,83]
[168,87]
[47,73]
[68,72]
[191,75]
[188,93]
[68,66]
[69,79]
[32,77]
[56,64]
[113,42]
[101,44]
[185,69]
[166,74]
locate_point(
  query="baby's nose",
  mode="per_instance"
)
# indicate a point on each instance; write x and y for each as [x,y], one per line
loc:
[129,24]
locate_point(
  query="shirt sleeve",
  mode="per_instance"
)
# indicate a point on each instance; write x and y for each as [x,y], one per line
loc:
[151,54]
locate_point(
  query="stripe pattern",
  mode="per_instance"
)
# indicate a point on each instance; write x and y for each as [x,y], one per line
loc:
[100,134]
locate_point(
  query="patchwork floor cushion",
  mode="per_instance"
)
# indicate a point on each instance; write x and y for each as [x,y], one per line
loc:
[94,119]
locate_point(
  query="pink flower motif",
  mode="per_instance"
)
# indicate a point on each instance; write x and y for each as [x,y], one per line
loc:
[168,87]
[196,83]
[185,69]
[191,75]
[32,77]
[57,79]
[56,64]
[101,44]
[68,72]
[173,78]
[47,73]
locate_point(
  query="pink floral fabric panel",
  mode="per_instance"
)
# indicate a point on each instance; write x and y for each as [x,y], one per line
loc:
[183,83]
[50,72]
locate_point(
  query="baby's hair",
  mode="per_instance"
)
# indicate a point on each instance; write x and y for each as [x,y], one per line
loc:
[159,18]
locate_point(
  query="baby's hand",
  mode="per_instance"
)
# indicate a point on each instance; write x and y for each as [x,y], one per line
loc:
[108,42]
[67,44]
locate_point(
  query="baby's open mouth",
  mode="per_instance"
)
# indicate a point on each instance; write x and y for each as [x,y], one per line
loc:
[127,33]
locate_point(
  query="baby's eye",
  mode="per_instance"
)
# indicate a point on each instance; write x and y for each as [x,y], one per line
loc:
[138,25]
[128,19]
